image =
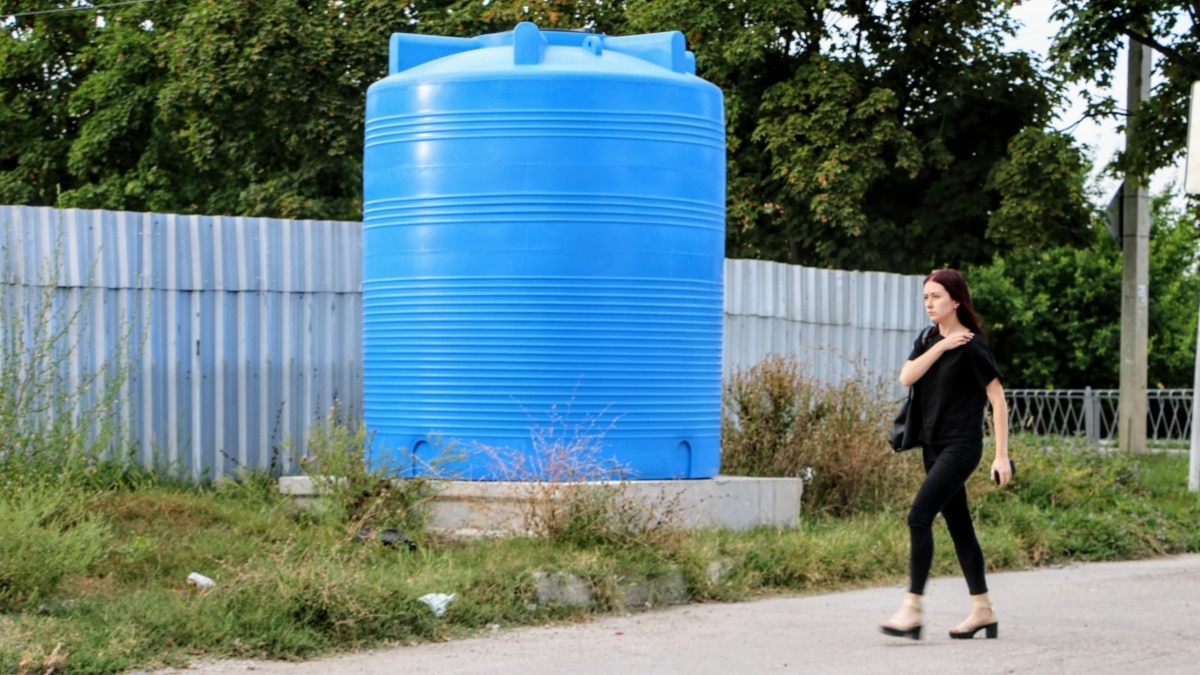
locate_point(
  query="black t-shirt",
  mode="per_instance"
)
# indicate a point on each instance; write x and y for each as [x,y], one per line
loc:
[953,393]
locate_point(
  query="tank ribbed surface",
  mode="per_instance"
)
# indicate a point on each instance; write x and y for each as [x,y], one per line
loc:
[543,252]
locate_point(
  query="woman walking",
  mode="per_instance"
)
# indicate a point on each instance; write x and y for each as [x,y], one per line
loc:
[953,374]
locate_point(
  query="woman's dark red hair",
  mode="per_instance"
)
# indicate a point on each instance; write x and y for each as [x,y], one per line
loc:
[954,283]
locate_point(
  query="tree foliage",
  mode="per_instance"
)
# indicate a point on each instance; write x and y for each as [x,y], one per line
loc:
[467,18]
[1086,51]
[37,63]
[875,135]
[238,107]
[890,136]
[1053,314]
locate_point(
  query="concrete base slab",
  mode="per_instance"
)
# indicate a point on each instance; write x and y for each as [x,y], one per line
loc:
[501,507]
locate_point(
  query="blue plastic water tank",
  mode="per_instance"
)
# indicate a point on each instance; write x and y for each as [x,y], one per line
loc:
[542,254]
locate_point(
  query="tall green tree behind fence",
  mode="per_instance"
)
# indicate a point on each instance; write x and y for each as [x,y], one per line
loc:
[1054,314]
[1086,52]
[895,136]
[240,108]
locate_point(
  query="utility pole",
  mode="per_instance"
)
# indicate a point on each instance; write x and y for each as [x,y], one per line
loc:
[1191,186]
[1135,283]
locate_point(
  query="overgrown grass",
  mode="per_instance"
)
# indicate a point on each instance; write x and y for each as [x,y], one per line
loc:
[57,432]
[1071,502]
[363,500]
[46,535]
[289,586]
[95,553]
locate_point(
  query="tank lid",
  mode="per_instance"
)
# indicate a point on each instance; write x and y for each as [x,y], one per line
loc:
[667,50]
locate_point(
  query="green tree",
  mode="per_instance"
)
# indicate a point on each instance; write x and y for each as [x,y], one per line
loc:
[122,156]
[239,107]
[1174,293]
[265,108]
[39,71]
[893,136]
[874,135]
[1053,314]
[1086,50]
[468,18]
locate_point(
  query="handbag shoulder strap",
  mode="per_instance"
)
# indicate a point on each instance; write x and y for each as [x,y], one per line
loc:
[924,337]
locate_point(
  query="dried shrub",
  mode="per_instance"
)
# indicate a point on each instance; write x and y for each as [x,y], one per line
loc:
[57,408]
[576,494]
[778,420]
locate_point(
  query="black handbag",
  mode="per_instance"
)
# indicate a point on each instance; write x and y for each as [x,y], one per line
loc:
[904,428]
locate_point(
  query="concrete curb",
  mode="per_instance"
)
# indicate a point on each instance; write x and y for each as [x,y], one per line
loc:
[499,507]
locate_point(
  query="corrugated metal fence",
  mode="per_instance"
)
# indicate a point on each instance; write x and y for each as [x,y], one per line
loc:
[243,331]
[843,324]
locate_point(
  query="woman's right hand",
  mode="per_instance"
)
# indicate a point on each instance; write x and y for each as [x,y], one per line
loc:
[955,340]
[916,368]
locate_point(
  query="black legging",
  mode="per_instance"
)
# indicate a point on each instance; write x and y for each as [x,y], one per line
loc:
[944,489]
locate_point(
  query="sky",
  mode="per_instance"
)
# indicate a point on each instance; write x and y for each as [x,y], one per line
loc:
[1101,138]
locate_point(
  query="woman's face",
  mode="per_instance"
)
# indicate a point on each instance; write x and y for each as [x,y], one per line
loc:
[938,303]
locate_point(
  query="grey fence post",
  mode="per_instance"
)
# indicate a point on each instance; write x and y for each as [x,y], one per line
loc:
[1090,415]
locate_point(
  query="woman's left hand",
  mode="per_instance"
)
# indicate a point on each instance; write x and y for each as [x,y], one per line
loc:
[1002,469]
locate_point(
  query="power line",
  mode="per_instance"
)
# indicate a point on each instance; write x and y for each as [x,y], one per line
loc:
[82,8]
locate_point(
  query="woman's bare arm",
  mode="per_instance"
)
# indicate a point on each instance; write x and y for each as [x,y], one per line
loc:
[915,369]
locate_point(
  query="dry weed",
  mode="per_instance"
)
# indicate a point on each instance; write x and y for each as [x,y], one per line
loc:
[780,421]
[576,493]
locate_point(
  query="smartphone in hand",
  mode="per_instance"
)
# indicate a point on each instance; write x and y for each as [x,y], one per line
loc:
[996,476]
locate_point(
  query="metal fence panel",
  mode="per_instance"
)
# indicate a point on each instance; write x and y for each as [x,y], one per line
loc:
[241,331]
[842,324]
